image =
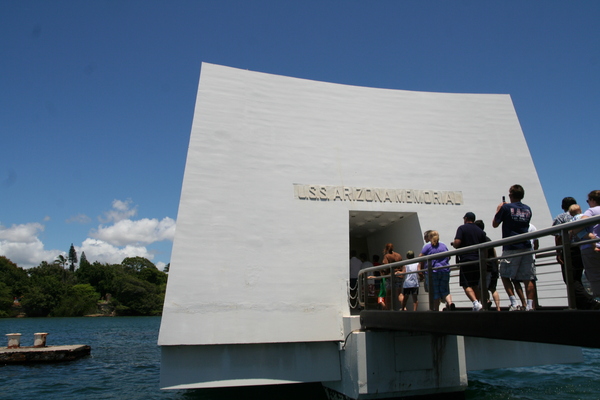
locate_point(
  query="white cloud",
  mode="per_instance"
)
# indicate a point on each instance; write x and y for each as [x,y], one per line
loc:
[109,243]
[143,231]
[160,265]
[20,244]
[98,250]
[120,210]
[24,233]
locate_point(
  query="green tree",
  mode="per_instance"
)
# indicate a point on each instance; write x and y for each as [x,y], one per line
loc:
[136,285]
[72,258]
[153,275]
[6,300]
[48,285]
[145,270]
[38,302]
[83,261]
[78,300]
[102,277]
[61,260]
[55,270]
[138,297]
[137,264]
[14,277]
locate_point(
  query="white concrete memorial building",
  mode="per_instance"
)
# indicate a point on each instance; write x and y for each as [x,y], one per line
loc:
[285,176]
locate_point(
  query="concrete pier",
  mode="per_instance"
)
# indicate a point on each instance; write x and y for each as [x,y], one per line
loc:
[50,354]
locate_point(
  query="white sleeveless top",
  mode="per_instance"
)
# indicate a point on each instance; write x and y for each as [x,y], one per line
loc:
[411,280]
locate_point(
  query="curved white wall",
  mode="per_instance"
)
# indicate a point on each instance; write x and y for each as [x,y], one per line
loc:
[255,263]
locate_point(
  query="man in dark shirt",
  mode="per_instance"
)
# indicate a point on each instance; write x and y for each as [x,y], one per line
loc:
[470,234]
[515,218]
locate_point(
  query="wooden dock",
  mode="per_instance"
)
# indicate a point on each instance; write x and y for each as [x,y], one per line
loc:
[47,354]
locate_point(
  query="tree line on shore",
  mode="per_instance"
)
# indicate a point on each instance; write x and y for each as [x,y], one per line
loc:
[59,289]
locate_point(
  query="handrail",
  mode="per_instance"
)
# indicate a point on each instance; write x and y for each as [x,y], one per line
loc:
[562,230]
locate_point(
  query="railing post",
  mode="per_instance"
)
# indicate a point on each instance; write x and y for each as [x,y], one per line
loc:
[392,289]
[429,285]
[362,287]
[568,265]
[356,292]
[483,278]
[359,290]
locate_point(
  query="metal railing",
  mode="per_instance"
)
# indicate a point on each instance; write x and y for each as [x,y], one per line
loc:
[561,230]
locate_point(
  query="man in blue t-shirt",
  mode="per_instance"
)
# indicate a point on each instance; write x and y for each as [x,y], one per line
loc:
[515,218]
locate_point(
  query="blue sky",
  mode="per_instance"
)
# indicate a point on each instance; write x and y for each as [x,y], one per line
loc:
[97,97]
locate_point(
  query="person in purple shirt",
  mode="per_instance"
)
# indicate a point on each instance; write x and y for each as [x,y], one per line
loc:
[439,283]
[515,218]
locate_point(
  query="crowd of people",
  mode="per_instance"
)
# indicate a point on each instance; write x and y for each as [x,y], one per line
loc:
[515,266]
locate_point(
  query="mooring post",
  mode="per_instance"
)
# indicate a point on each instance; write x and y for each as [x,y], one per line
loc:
[39,339]
[14,340]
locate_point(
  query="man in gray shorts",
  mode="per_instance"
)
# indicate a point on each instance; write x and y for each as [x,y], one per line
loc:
[515,218]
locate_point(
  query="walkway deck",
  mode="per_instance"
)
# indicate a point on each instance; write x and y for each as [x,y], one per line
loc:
[555,327]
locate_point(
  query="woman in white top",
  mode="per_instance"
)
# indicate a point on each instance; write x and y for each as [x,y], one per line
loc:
[411,283]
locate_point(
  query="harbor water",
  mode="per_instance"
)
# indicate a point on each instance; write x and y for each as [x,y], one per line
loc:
[125,364]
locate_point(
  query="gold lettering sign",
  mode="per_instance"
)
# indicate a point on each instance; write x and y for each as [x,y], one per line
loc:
[377,195]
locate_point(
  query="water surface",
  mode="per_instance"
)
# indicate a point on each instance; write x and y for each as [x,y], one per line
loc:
[125,364]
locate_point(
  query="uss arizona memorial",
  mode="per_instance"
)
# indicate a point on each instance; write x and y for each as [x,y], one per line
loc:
[283,177]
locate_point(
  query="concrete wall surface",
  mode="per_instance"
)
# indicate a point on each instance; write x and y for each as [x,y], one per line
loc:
[280,169]
[195,367]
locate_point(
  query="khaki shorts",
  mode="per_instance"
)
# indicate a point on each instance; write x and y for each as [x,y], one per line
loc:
[521,268]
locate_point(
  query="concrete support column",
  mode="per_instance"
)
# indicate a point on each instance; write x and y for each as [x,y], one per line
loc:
[397,364]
